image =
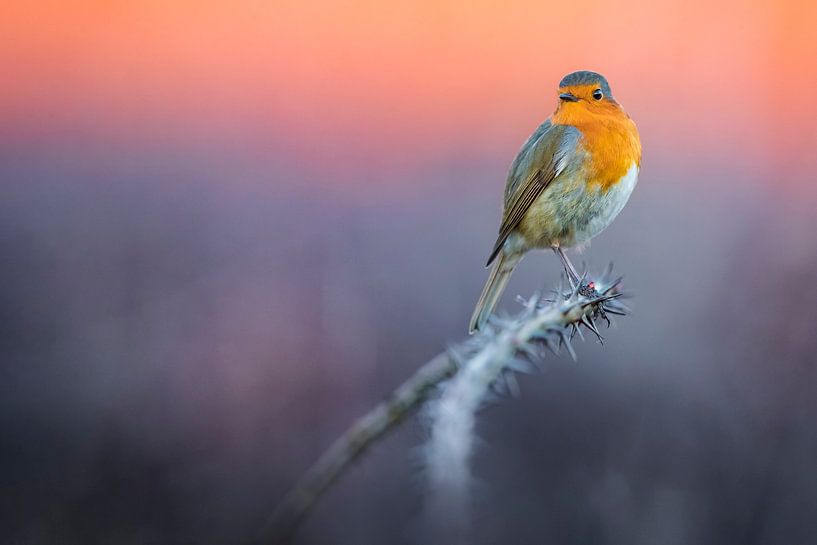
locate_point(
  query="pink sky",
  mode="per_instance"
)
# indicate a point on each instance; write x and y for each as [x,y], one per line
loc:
[408,82]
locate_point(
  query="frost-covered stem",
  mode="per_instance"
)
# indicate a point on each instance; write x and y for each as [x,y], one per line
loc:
[349,446]
[451,442]
[486,356]
[452,433]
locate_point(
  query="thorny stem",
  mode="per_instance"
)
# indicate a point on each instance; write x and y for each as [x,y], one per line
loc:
[544,324]
[348,447]
[451,444]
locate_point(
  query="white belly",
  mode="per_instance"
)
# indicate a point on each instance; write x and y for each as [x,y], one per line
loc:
[606,206]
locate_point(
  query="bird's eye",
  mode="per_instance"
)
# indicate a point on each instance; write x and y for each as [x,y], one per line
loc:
[598,95]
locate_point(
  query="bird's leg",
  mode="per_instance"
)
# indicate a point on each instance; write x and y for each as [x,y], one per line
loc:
[569,268]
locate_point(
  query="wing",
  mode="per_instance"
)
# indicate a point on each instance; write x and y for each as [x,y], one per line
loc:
[542,158]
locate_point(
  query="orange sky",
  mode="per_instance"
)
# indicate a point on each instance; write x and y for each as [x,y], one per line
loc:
[336,80]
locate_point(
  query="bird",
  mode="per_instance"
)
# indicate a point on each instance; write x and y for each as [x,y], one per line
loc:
[568,182]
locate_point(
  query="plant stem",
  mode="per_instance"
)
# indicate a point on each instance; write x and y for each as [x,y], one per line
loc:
[349,446]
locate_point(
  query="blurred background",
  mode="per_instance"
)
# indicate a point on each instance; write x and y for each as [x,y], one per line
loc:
[227,229]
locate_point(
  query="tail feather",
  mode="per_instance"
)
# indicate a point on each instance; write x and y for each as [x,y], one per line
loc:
[500,274]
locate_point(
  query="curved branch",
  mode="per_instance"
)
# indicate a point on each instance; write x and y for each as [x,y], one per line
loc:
[542,325]
[349,446]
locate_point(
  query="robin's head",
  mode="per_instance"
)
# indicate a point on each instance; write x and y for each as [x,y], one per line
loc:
[586,90]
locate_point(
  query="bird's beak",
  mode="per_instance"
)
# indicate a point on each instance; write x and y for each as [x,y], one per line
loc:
[570,97]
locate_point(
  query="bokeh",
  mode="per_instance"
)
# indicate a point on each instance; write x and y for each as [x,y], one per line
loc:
[229,228]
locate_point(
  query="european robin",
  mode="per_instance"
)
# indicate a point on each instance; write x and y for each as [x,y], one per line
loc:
[568,182]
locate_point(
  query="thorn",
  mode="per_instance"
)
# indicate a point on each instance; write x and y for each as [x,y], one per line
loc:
[512,384]
[603,298]
[591,325]
[619,306]
[579,331]
[552,345]
[614,307]
[527,349]
[613,285]
[566,341]
[575,291]
[582,282]
[571,281]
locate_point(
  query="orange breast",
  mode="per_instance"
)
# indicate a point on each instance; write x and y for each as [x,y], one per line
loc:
[609,136]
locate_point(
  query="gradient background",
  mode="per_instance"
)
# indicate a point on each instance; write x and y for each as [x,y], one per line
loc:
[229,228]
